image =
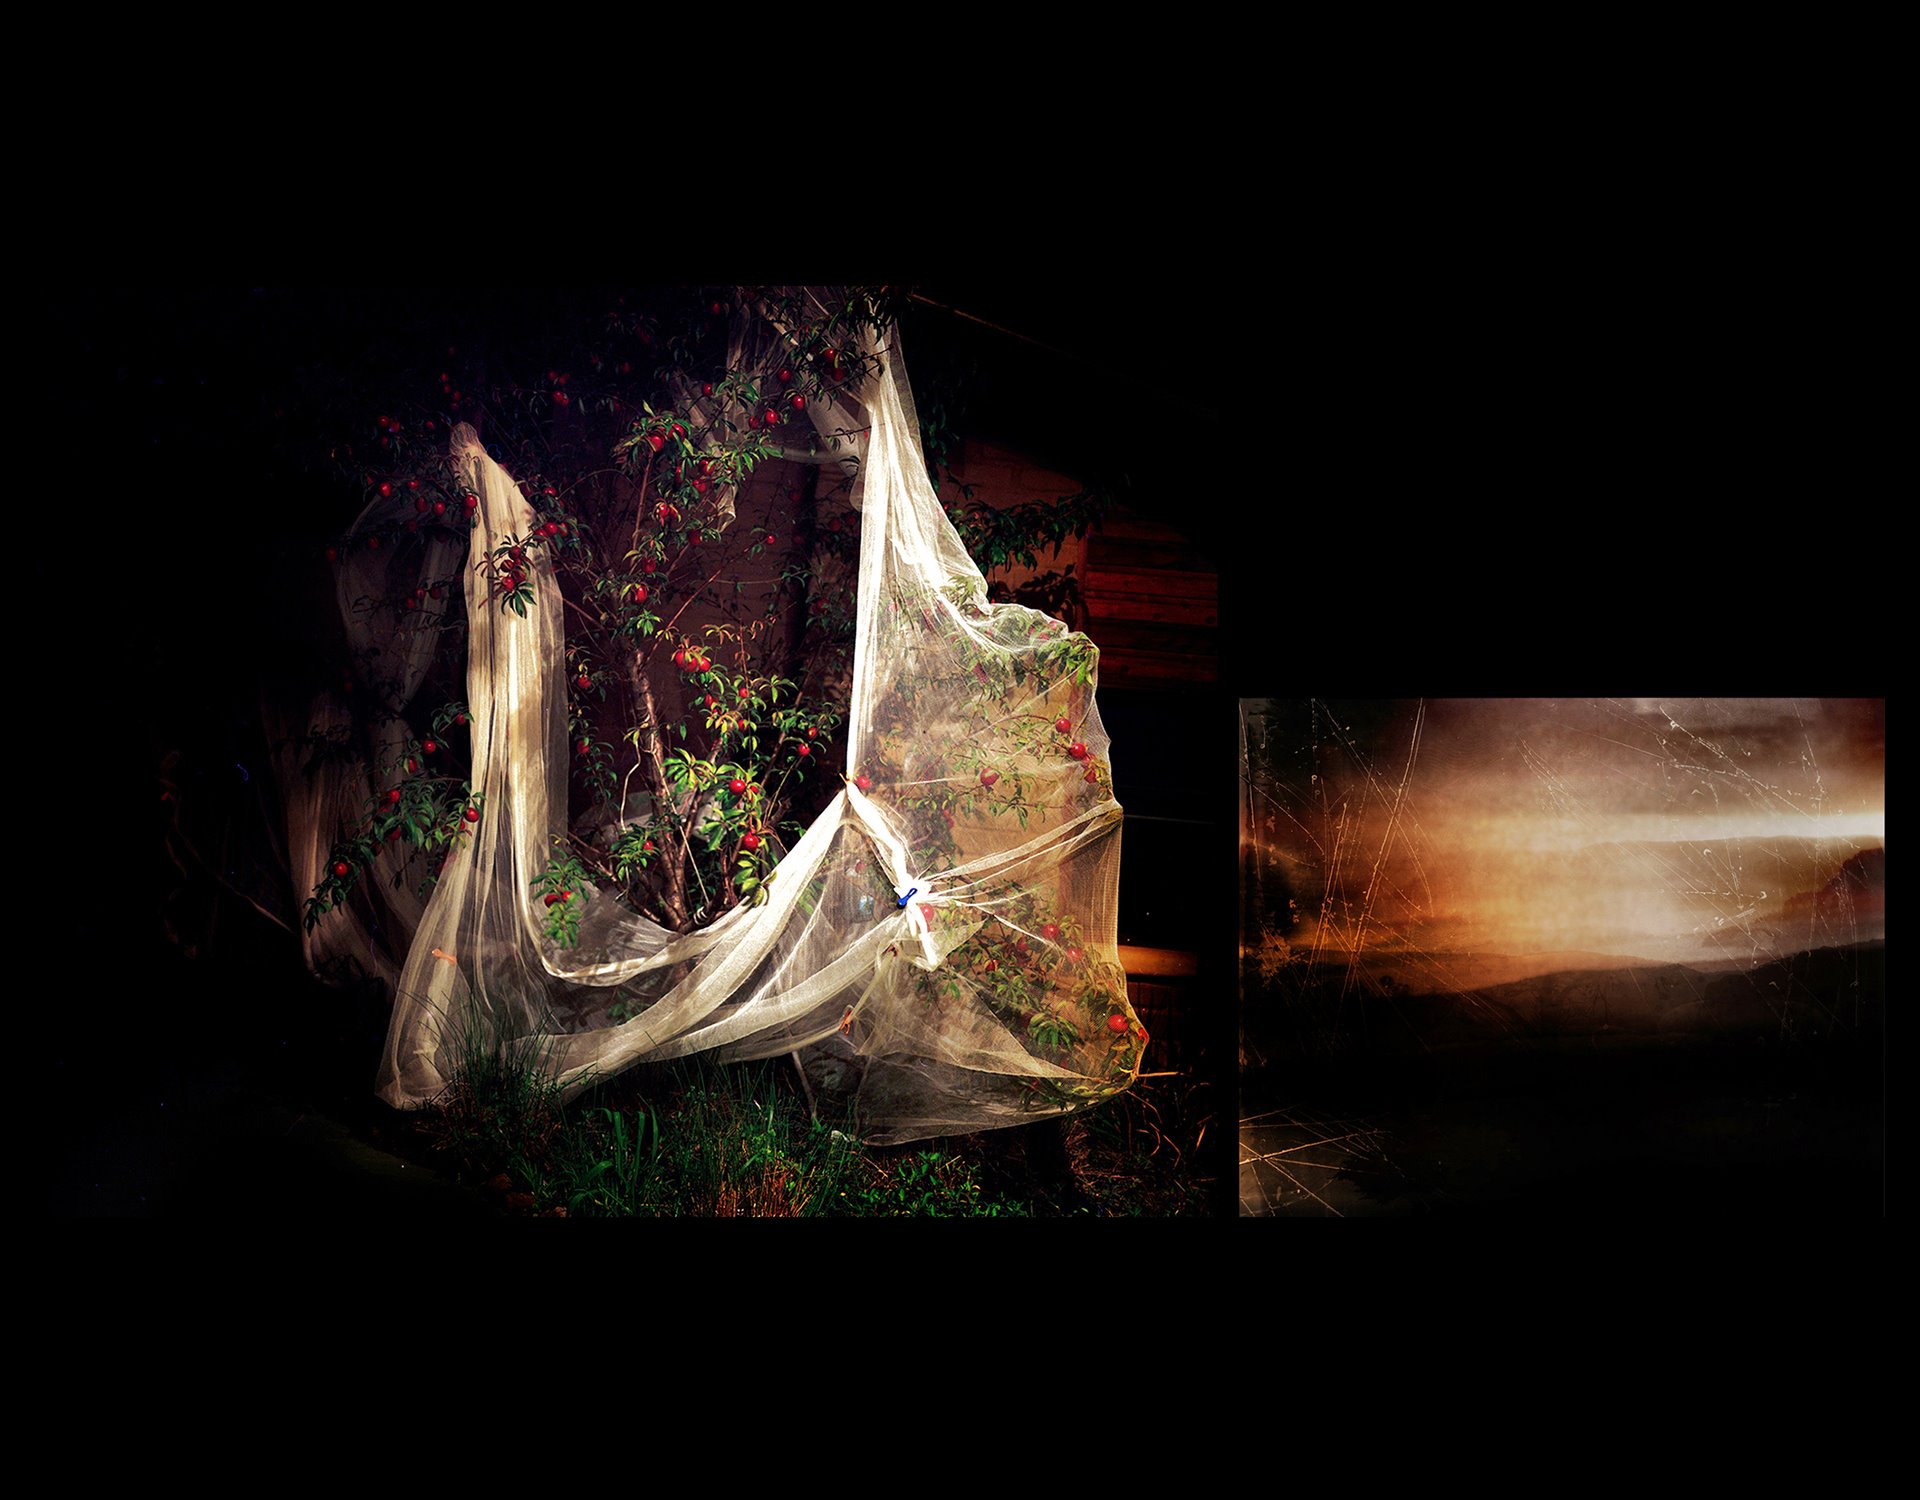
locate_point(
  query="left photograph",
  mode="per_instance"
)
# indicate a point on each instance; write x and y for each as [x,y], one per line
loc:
[669,758]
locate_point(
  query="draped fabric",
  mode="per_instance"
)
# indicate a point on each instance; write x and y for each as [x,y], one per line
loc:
[939,945]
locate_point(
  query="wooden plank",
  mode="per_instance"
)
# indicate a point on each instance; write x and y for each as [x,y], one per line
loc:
[1150,961]
[1137,528]
[1104,606]
[1148,635]
[1147,667]
[1152,581]
[1150,555]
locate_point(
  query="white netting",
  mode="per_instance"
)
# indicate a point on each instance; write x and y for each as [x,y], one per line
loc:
[977,778]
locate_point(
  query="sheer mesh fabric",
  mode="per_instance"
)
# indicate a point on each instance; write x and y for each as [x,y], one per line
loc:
[990,995]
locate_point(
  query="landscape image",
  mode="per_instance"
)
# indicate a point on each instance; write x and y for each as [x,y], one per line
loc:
[1562,957]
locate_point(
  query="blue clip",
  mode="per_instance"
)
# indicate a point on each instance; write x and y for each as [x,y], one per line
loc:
[902,902]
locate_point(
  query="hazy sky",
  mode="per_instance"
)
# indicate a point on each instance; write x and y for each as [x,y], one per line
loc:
[1662,827]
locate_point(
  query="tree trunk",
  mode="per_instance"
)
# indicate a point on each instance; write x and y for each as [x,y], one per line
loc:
[653,761]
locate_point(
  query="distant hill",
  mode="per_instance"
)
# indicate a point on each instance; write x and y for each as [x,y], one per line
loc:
[1422,972]
[1826,990]
[1857,891]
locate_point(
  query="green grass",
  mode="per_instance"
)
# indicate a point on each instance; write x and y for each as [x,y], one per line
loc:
[698,1139]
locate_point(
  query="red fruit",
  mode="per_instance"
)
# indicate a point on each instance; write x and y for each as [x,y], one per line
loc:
[741,724]
[743,692]
[799,402]
[736,786]
[753,791]
[992,964]
[420,504]
[694,540]
[1116,1023]
[413,765]
[1063,724]
[706,390]
[812,733]
[988,778]
[439,507]
[717,309]
[655,441]
[1050,931]
[754,420]
[461,720]
[750,842]
[639,593]
[771,539]
[806,749]
[373,543]
[785,376]
[386,490]
[393,835]
[472,503]
[710,700]
[565,896]
[679,431]
[1092,777]
[1073,955]
[431,746]
[333,554]
[648,566]
[340,868]
[1078,750]
[1139,1031]
[862,782]
[583,681]
[584,747]
[679,658]
[393,796]
[551,898]
[648,846]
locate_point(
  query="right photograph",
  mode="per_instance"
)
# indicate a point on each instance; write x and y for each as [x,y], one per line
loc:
[1562,957]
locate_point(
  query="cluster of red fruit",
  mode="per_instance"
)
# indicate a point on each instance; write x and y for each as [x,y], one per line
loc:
[691,659]
[1078,749]
[554,897]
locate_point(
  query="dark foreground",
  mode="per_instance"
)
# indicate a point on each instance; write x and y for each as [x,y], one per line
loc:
[1736,1115]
